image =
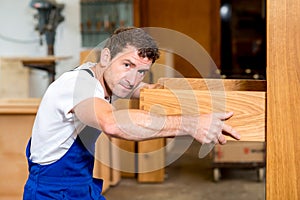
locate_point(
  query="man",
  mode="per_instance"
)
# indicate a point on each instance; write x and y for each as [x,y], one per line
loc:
[77,104]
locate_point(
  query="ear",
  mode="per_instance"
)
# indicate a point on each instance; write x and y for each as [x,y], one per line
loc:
[105,57]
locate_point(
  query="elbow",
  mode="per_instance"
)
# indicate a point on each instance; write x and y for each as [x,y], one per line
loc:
[110,128]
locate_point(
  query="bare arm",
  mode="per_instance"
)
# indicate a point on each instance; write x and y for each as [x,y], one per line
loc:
[138,125]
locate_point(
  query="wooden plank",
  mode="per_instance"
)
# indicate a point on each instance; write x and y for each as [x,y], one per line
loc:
[115,162]
[249,107]
[151,161]
[213,84]
[102,160]
[127,158]
[283,100]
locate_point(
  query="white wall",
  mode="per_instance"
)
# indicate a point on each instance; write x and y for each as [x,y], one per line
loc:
[17,22]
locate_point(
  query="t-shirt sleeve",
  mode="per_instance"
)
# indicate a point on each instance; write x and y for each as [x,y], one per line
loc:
[76,87]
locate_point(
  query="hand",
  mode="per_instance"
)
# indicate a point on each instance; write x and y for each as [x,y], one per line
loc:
[211,128]
[153,86]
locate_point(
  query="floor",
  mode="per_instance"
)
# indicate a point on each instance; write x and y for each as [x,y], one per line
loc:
[191,178]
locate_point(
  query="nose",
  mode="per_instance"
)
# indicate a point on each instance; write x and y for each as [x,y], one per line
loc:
[131,78]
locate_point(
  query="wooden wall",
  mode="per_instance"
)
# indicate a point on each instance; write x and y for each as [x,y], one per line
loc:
[283,100]
[198,19]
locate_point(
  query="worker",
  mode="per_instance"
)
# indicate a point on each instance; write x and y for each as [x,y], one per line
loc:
[76,108]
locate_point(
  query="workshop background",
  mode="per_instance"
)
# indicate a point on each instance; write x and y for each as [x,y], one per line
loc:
[231,31]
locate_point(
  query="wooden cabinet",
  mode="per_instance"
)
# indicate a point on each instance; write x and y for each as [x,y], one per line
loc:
[16,120]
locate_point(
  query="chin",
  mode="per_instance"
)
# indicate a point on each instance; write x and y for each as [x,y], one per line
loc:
[123,95]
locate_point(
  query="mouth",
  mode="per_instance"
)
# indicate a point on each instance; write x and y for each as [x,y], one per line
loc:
[127,87]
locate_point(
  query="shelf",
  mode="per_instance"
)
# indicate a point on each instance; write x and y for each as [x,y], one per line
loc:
[102,17]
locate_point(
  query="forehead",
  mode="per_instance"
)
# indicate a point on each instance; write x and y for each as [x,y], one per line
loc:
[130,53]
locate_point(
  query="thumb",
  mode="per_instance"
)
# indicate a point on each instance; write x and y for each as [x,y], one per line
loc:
[224,116]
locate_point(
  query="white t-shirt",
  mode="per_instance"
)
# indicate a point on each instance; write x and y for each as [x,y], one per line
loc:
[55,127]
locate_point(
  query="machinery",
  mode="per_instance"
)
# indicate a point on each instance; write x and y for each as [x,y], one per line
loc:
[49,16]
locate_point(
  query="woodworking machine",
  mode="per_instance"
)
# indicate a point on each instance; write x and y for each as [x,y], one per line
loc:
[49,16]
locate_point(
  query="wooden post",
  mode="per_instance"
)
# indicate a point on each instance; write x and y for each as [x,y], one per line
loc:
[283,100]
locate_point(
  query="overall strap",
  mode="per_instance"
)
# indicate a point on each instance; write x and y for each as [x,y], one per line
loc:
[89,71]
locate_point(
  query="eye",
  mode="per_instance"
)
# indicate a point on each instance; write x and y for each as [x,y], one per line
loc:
[142,72]
[127,65]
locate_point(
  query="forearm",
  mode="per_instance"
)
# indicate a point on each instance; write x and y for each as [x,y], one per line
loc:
[128,124]
[141,125]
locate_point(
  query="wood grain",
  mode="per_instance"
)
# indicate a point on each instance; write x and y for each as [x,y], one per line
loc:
[151,160]
[115,174]
[249,107]
[283,100]
[127,158]
[213,84]
[102,161]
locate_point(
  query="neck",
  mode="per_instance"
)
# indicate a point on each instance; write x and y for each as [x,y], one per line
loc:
[99,75]
[108,92]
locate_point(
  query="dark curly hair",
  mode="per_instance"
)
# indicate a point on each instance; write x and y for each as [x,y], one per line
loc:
[135,37]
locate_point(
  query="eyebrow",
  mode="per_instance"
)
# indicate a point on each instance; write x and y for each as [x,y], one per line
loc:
[131,63]
[134,65]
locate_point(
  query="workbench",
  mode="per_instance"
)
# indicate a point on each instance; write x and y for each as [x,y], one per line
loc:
[44,63]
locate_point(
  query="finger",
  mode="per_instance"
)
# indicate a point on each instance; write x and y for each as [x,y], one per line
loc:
[224,116]
[216,138]
[155,86]
[231,132]
[222,139]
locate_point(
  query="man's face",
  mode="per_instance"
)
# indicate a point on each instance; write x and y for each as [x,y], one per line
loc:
[125,71]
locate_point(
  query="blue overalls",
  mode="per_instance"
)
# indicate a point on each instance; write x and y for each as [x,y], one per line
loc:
[71,177]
